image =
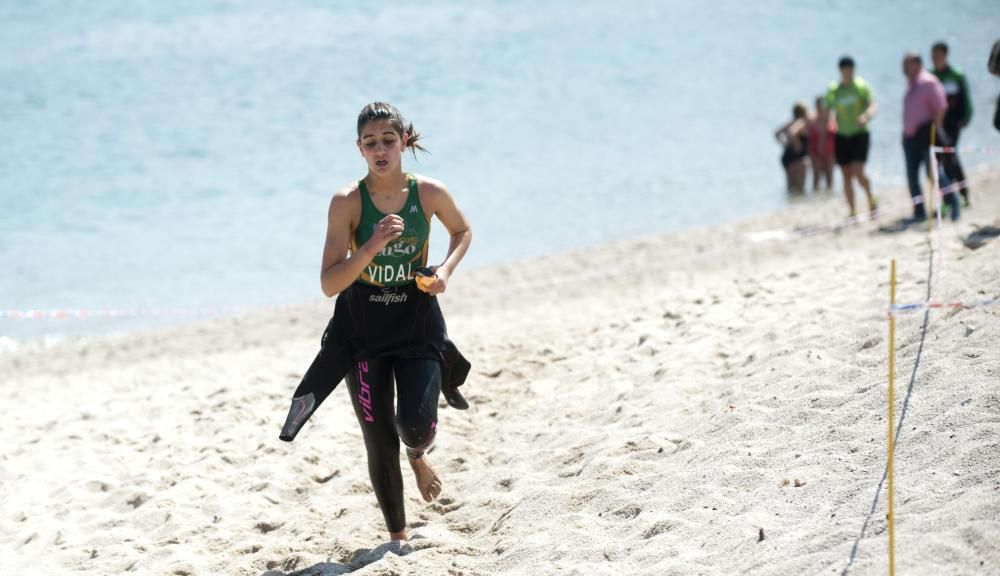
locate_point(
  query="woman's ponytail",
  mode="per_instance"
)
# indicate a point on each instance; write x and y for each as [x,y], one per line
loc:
[383,111]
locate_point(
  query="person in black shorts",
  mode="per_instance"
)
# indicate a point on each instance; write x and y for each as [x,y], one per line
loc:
[852,101]
[852,149]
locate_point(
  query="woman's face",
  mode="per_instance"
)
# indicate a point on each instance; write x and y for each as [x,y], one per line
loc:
[381,146]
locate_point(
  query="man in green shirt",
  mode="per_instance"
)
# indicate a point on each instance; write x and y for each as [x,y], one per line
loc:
[852,101]
[956,90]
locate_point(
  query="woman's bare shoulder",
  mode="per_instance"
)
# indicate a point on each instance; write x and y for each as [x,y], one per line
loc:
[346,196]
[349,192]
[432,185]
[345,205]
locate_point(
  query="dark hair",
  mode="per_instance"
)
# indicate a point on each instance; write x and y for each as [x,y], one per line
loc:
[940,46]
[799,110]
[913,57]
[384,111]
[846,62]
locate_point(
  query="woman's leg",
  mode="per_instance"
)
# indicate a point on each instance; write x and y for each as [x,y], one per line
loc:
[816,162]
[828,172]
[418,385]
[797,176]
[370,384]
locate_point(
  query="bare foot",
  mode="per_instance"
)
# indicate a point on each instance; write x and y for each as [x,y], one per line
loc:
[427,479]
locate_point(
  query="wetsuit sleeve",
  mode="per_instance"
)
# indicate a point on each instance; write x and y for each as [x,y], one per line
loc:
[324,374]
[455,368]
[322,377]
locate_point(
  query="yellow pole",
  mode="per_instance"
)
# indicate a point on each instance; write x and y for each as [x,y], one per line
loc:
[892,400]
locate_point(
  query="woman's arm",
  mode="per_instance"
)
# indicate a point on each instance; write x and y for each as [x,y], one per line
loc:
[340,270]
[442,205]
[798,126]
[781,134]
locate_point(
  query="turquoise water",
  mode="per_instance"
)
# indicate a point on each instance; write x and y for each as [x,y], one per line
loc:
[183,154]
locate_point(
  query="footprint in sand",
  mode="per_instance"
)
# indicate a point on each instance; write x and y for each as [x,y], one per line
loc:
[657,528]
[286,564]
[466,528]
[98,486]
[265,526]
[445,505]
[325,477]
[137,500]
[627,512]
[250,549]
[359,488]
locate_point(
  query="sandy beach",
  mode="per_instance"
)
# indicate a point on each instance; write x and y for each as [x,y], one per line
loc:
[709,402]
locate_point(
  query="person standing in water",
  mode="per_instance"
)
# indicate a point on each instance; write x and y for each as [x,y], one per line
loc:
[376,240]
[853,104]
[822,142]
[793,135]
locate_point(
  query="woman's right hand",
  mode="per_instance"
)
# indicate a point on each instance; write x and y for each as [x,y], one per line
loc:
[388,228]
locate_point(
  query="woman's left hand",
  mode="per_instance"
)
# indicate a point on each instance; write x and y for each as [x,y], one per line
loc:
[440,281]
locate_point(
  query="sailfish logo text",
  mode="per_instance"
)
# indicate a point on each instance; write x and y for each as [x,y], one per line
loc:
[365,393]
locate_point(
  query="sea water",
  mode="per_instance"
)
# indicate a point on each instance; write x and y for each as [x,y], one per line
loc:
[178,155]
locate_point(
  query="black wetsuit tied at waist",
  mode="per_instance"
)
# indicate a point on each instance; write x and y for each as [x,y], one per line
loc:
[369,323]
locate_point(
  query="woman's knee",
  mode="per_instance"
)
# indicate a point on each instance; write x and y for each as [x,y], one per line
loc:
[416,432]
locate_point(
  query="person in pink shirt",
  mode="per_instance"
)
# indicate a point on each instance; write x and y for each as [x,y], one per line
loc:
[924,106]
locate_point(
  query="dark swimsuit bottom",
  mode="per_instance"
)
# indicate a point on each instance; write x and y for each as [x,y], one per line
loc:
[792,155]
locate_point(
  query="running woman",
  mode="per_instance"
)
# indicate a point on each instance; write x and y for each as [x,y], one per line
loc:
[853,104]
[376,240]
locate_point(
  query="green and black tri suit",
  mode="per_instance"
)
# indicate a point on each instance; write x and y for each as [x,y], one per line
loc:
[387,336]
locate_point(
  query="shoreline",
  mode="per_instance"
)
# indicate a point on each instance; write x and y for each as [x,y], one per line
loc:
[651,406]
[179,318]
[812,209]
